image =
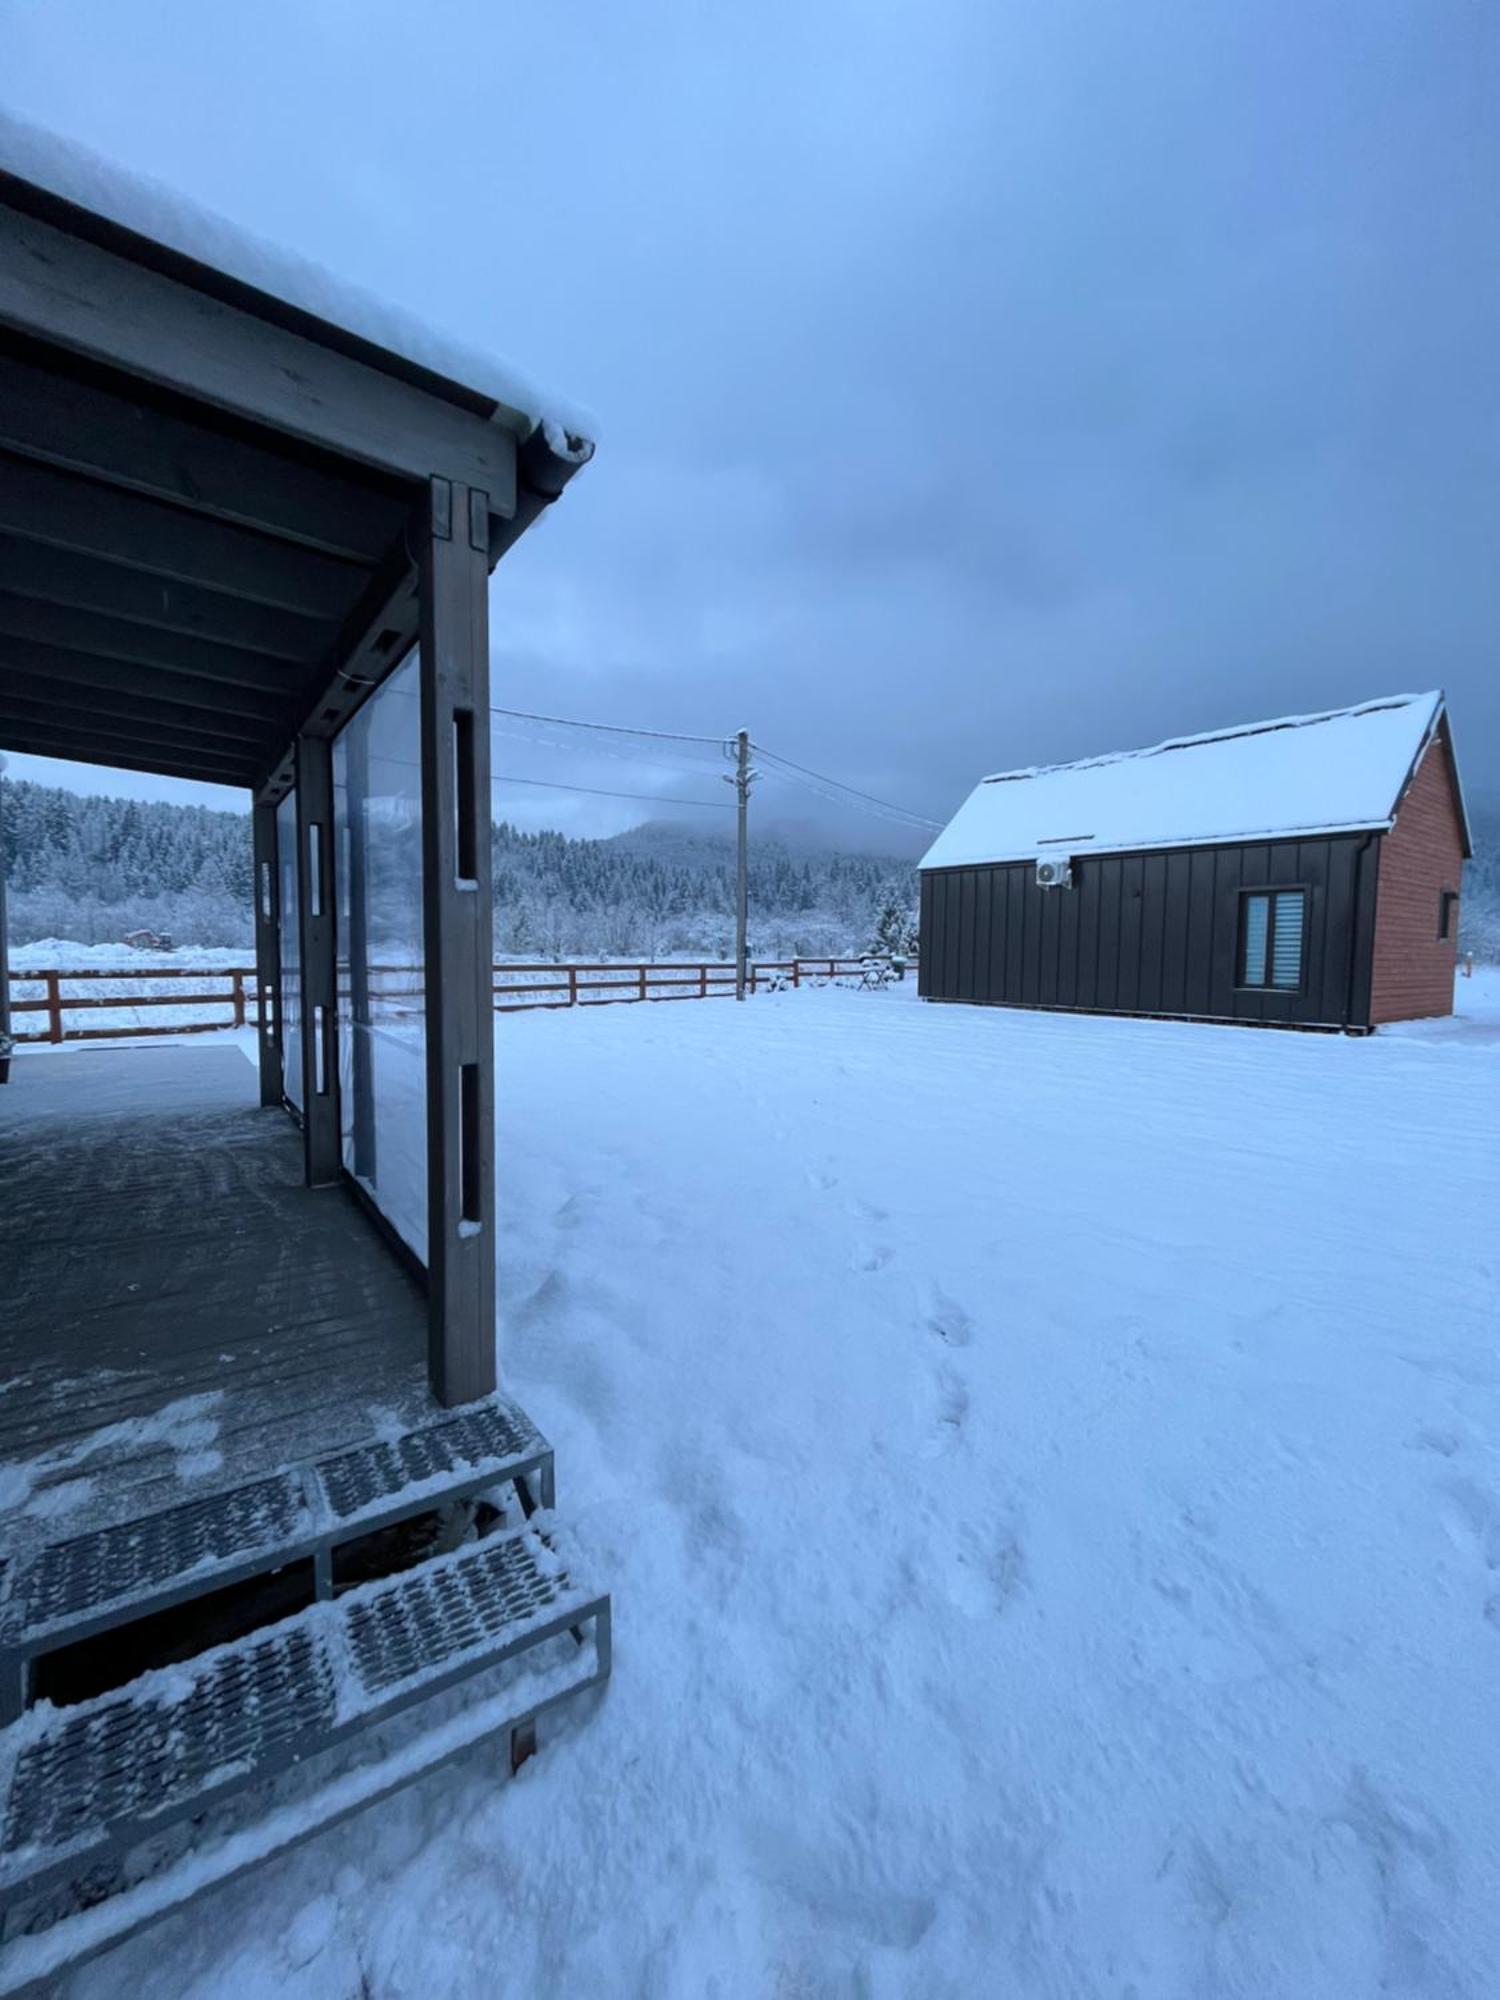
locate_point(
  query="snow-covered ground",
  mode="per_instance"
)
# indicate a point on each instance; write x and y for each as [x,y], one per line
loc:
[1049,1473]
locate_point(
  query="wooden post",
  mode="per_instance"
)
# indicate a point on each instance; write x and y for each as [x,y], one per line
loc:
[702,982]
[643,982]
[237,995]
[322,1140]
[54,1007]
[796,973]
[458,934]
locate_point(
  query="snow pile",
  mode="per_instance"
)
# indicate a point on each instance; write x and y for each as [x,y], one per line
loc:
[1305,774]
[1048,1469]
[79,175]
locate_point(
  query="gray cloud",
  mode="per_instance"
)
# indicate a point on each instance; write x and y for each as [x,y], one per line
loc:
[978,384]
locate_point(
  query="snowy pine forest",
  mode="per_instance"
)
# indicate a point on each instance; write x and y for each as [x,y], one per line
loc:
[91,869]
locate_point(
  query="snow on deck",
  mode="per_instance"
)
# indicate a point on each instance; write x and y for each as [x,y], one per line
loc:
[1048,1471]
[1301,775]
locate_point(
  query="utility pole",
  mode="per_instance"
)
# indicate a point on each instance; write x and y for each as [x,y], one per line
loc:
[742,779]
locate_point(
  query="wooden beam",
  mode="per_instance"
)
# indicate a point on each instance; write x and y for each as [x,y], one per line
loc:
[267,953]
[118,440]
[378,636]
[207,718]
[458,937]
[65,577]
[55,286]
[90,634]
[34,740]
[39,504]
[322,1142]
[98,723]
[84,670]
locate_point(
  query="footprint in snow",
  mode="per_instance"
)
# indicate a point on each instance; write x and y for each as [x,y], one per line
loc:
[948,1319]
[1471,1519]
[873,1257]
[987,1570]
[952,1414]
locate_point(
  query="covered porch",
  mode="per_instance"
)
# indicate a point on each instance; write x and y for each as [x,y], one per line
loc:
[259,1487]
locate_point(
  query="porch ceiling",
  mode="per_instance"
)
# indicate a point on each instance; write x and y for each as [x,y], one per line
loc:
[207,498]
[177,588]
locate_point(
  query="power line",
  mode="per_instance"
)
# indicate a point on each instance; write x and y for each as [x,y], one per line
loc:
[852,791]
[609,728]
[595,791]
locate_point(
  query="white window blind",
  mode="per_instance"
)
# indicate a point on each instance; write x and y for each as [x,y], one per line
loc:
[1286,941]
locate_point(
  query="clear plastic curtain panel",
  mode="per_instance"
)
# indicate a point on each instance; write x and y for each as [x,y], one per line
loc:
[291,951]
[382,997]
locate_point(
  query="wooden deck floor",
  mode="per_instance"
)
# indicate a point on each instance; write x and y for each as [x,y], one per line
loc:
[176,1310]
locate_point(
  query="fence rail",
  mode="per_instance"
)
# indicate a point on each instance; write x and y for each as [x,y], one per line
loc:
[517,988]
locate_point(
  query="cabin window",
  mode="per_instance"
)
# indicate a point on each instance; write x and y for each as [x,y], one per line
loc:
[1273,928]
[1447,911]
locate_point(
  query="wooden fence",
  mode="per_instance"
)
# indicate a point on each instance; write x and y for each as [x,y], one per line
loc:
[516,988]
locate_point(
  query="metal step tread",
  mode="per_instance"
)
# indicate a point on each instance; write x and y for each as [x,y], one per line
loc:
[89,1581]
[96,1777]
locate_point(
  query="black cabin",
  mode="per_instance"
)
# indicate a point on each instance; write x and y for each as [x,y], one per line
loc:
[1300,873]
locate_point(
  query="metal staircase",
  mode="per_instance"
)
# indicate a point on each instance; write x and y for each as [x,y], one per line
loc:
[92,1791]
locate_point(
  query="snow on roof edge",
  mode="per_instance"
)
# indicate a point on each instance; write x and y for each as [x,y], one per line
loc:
[1003,821]
[1433,695]
[73,172]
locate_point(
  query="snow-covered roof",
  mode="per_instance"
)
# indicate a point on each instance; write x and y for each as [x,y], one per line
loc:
[1303,775]
[149,208]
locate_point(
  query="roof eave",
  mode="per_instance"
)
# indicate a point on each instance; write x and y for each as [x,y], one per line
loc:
[1259,837]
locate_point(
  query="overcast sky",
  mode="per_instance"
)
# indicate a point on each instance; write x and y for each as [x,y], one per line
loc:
[978,384]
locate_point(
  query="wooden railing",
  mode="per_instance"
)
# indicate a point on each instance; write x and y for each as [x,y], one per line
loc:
[516,988]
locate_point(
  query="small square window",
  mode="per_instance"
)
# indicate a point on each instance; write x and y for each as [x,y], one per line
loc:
[1273,925]
[1448,914]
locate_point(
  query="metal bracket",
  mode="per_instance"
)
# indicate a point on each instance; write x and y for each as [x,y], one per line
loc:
[442,510]
[479,520]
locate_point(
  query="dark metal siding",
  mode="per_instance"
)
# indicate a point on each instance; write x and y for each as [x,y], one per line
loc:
[1154,933]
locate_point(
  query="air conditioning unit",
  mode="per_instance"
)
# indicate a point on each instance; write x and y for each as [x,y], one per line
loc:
[1054,871]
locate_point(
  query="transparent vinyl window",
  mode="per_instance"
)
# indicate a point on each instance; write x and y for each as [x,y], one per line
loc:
[382,986]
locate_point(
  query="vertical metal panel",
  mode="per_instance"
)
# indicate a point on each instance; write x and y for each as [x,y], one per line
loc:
[1315,867]
[926,926]
[984,902]
[458,929]
[1176,919]
[1225,947]
[1086,891]
[267,952]
[1111,878]
[1364,893]
[1127,995]
[1031,939]
[951,899]
[316,904]
[1049,904]
[1153,932]
[1016,888]
[964,984]
[999,914]
[1067,948]
[1199,953]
